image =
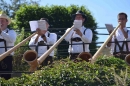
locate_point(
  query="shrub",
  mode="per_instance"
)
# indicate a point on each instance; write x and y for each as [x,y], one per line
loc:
[68,73]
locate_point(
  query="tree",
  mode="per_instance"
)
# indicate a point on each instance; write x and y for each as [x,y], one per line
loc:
[59,17]
[9,7]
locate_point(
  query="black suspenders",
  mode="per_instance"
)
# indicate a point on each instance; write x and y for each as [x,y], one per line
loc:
[83,42]
[121,47]
[48,45]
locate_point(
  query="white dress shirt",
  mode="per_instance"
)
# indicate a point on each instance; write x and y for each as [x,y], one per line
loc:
[87,38]
[10,37]
[120,37]
[42,49]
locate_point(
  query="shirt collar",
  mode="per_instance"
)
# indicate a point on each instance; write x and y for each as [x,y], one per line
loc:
[5,30]
[82,27]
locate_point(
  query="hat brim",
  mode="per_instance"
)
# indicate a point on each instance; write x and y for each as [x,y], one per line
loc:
[84,16]
[8,19]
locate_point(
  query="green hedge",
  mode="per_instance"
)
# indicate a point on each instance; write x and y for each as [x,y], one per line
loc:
[105,72]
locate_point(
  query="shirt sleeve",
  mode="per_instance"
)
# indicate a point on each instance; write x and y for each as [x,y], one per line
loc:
[31,43]
[51,39]
[69,35]
[128,35]
[87,38]
[10,37]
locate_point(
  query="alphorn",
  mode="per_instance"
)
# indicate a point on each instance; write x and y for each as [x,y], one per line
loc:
[30,55]
[127,59]
[2,56]
[96,55]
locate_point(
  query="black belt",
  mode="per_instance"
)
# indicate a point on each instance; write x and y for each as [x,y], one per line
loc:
[41,43]
[77,39]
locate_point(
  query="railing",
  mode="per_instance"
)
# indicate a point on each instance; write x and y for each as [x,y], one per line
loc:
[64,51]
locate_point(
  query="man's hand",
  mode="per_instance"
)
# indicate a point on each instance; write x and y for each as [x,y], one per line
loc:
[40,32]
[78,32]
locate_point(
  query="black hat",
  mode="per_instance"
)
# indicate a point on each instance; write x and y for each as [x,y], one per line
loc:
[81,13]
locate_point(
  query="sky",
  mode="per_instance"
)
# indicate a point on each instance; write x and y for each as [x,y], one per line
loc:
[104,11]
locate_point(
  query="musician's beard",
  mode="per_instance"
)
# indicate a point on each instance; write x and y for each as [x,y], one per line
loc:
[3,65]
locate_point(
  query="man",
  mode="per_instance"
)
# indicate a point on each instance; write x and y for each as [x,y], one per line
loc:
[120,48]
[79,36]
[7,38]
[42,40]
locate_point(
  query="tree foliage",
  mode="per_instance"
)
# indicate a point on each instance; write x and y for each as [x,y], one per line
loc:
[10,6]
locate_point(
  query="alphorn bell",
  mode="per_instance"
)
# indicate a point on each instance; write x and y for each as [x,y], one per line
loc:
[85,56]
[127,59]
[104,44]
[30,56]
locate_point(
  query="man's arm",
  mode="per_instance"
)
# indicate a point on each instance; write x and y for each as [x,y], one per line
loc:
[33,41]
[128,35]
[36,40]
[10,36]
[69,35]
[87,37]
[124,33]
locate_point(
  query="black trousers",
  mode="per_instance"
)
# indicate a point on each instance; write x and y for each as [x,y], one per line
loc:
[47,60]
[6,67]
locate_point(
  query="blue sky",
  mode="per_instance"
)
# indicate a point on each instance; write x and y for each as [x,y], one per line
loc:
[104,11]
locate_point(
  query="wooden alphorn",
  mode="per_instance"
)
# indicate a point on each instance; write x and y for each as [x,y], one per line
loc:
[2,56]
[43,57]
[34,63]
[96,55]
